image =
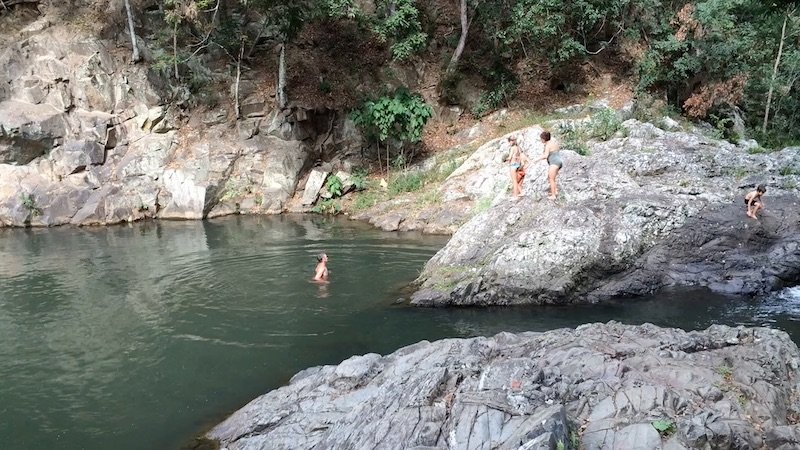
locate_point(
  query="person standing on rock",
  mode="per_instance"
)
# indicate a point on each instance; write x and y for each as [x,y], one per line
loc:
[754,202]
[553,157]
[518,161]
[321,272]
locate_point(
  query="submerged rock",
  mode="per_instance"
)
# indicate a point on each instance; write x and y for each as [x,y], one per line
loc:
[600,386]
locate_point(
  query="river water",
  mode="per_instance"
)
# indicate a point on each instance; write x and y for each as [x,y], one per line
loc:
[142,336]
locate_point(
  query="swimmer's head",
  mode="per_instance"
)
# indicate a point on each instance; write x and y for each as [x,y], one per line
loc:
[322,257]
[761,188]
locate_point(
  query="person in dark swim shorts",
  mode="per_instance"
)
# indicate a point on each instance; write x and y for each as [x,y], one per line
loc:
[754,202]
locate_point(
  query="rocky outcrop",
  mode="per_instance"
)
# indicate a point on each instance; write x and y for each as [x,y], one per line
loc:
[645,210]
[86,138]
[600,386]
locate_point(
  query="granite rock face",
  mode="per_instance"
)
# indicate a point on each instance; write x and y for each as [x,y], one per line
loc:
[88,139]
[644,211]
[600,386]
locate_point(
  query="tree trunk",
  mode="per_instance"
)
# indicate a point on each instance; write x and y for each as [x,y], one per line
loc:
[462,40]
[135,57]
[282,76]
[175,48]
[774,74]
[238,78]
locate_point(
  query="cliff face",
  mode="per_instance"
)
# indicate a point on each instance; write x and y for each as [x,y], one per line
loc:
[88,138]
[648,209]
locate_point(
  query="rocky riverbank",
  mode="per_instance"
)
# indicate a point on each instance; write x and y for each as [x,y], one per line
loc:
[600,386]
[647,209]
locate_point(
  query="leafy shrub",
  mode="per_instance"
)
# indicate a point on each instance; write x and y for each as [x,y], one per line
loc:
[360,179]
[504,85]
[401,116]
[29,203]
[334,185]
[406,182]
[329,206]
[365,200]
[399,161]
[664,427]
[573,137]
[604,124]
[399,23]
[445,170]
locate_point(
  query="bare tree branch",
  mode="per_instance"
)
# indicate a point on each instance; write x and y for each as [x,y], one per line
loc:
[605,44]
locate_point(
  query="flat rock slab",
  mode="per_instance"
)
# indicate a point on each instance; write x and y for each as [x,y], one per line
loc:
[600,386]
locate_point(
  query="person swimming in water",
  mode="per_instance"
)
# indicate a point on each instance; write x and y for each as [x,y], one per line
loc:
[321,272]
[517,161]
[553,157]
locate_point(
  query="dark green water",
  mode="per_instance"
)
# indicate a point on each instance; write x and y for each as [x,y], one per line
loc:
[142,336]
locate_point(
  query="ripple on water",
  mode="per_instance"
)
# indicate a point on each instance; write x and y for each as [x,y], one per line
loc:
[785,302]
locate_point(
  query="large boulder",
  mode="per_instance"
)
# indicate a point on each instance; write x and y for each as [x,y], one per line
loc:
[635,205]
[600,386]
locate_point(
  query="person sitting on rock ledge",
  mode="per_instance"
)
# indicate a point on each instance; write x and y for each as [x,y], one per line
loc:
[754,202]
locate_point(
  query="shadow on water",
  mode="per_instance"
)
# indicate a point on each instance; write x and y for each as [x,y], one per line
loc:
[144,335]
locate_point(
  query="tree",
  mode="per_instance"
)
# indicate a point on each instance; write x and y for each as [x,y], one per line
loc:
[399,117]
[462,38]
[775,70]
[135,57]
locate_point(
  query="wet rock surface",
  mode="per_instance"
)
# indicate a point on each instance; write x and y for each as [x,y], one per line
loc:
[600,386]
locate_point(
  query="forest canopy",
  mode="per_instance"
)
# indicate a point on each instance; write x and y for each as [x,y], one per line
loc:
[707,59]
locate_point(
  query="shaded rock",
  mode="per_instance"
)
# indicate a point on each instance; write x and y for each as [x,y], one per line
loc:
[602,385]
[28,131]
[316,179]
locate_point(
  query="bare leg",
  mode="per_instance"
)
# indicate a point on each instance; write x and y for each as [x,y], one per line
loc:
[756,209]
[514,184]
[552,171]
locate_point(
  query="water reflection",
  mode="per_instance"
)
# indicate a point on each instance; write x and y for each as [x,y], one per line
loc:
[139,336]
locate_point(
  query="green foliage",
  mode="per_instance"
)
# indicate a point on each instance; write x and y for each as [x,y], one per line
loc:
[399,162]
[329,207]
[664,427]
[574,439]
[29,203]
[365,200]
[604,124]
[560,445]
[445,170]
[789,170]
[430,197]
[406,182]
[503,86]
[482,205]
[398,22]
[725,371]
[401,117]
[574,136]
[360,179]
[340,9]
[334,185]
